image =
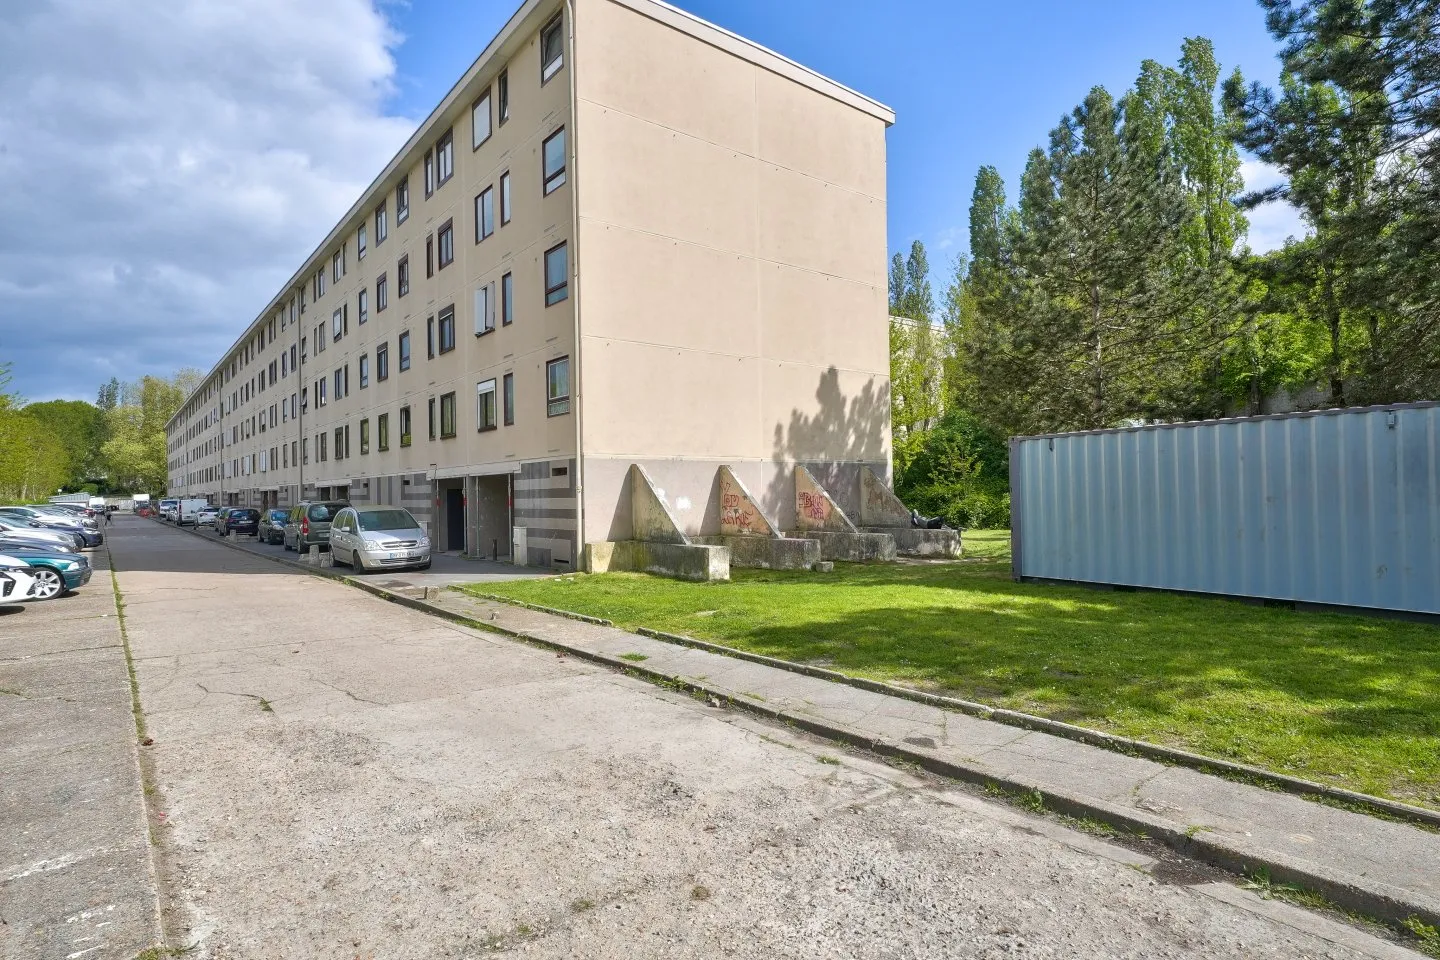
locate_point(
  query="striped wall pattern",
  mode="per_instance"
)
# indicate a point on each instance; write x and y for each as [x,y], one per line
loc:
[546,505]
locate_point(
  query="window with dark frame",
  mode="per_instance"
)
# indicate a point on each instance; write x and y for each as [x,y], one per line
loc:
[507,299]
[382,432]
[557,387]
[485,406]
[502,95]
[552,48]
[553,159]
[359,255]
[402,200]
[364,437]
[382,362]
[447,329]
[402,276]
[362,304]
[445,238]
[480,120]
[364,370]
[429,173]
[405,426]
[430,255]
[382,293]
[430,338]
[508,399]
[484,214]
[405,350]
[557,275]
[339,443]
[444,158]
[382,228]
[447,415]
[504,198]
[337,320]
[431,405]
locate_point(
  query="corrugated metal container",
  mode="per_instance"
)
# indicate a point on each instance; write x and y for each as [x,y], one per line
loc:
[1335,507]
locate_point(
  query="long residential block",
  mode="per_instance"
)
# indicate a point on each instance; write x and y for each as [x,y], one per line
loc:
[626,236]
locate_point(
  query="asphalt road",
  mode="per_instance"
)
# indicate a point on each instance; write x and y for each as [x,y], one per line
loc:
[338,776]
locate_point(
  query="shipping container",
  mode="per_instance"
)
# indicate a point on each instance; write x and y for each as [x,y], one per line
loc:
[1332,507]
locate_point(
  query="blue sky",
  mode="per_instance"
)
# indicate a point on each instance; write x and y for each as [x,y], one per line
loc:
[971,83]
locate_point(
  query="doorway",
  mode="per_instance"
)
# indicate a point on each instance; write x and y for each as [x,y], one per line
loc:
[455,519]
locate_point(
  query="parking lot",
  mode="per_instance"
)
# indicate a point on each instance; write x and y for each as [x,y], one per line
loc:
[445,570]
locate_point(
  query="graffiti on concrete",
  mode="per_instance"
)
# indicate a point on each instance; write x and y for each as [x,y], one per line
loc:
[738,515]
[814,507]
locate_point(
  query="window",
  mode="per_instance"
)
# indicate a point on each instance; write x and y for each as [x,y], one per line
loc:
[484,309]
[319,283]
[381,227]
[364,436]
[320,447]
[382,294]
[364,370]
[557,385]
[359,245]
[432,418]
[430,338]
[337,266]
[446,237]
[509,399]
[382,362]
[429,173]
[320,392]
[339,444]
[405,350]
[480,120]
[484,214]
[402,276]
[447,416]
[485,406]
[337,323]
[552,48]
[430,255]
[557,275]
[507,299]
[320,338]
[362,304]
[504,198]
[405,426]
[402,200]
[502,94]
[339,385]
[382,432]
[554,160]
[447,329]
[444,159]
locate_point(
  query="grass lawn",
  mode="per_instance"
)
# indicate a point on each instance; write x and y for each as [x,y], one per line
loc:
[1350,701]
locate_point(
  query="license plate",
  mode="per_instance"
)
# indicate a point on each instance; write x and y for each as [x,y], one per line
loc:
[392,555]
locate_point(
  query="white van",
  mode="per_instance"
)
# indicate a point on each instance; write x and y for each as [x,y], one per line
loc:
[187,511]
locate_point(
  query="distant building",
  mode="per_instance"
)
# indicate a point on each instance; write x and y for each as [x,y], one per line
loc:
[665,245]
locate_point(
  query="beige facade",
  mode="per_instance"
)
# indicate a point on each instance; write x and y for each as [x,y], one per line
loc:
[722,212]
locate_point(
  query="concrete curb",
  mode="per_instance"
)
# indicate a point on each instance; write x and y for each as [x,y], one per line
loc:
[1256,776]
[1372,898]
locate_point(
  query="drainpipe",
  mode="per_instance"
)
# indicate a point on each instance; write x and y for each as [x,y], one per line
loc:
[299,416]
[576,406]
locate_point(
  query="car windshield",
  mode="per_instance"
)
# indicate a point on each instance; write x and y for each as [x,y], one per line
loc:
[244,514]
[324,511]
[372,521]
[277,515]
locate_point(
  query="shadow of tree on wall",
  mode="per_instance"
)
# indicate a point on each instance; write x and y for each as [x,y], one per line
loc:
[843,433]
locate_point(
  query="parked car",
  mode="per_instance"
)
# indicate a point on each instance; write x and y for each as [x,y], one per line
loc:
[32,532]
[168,507]
[54,573]
[369,538]
[272,526]
[238,520]
[50,514]
[91,536]
[17,580]
[206,517]
[309,523]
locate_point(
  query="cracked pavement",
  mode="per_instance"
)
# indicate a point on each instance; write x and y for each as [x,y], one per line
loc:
[375,782]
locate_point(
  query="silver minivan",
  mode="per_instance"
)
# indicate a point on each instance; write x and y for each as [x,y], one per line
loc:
[371,538]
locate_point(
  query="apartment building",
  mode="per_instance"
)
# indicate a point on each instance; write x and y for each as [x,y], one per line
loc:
[625,236]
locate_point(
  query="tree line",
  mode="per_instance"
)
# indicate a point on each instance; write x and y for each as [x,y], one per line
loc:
[115,445]
[1119,288]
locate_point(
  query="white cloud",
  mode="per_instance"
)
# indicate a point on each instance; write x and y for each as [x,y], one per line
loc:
[167,164]
[1273,223]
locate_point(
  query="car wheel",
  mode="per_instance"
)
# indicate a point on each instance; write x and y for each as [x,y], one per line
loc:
[357,561]
[425,565]
[48,583]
